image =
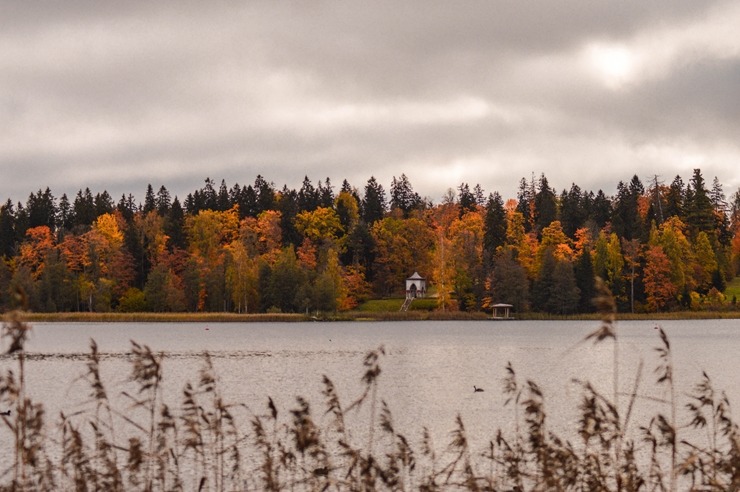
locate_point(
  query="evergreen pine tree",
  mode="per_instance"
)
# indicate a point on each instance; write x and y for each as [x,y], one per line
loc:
[675,199]
[41,209]
[288,206]
[265,195]
[308,197]
[7,230]
[494,235]
[174,226]
[585,281]
[150,203]
[223,201]
[83,210]
[699,209]
[103,204]
[545,205]
[64,213]
[572,211]
[373,203]
[403,196]
[163,201]
[466,199]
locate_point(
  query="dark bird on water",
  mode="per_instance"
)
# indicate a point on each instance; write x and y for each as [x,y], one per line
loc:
[477,389]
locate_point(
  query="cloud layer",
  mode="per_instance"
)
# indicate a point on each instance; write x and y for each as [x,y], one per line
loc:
[116,96]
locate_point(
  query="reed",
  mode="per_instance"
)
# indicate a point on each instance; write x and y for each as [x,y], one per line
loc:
[205,442]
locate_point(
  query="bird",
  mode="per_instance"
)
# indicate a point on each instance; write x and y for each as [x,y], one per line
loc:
[477,389]
[6,413]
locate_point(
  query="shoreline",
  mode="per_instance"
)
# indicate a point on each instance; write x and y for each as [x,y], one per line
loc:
[152,317]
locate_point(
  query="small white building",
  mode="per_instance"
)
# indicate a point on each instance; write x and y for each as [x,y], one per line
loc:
[502,311]
[416,286]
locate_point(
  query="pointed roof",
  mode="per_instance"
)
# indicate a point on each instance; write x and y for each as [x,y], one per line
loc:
[416,276]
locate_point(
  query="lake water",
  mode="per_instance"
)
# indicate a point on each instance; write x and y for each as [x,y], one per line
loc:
[428,371]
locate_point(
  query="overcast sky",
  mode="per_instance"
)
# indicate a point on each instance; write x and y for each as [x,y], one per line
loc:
[116,95]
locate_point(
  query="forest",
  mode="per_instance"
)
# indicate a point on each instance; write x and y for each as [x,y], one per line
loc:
[259,248]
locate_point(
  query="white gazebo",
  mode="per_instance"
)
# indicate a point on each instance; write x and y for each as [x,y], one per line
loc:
[501,311]
[416,286]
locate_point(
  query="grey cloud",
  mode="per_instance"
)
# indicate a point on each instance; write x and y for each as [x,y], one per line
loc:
[172,92]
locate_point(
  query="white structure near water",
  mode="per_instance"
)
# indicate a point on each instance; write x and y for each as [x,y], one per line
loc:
[416,286]
[502,311]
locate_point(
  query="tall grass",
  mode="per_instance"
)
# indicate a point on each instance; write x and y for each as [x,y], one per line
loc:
[205,442]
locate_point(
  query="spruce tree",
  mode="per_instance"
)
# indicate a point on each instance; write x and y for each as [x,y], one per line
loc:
[7,229]
[699,209]
[403,196]
[572,211]
[466,199]
[308,196]
[674,198]
[150,203]
[585,281]
[545,205]
[223,202]
[373,203]
[41,209]
[163,201]
[103,204]
[265,195]
[494,235]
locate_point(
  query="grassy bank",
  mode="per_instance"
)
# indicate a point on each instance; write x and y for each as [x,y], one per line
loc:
[163,317]
[733,289]
[380,310]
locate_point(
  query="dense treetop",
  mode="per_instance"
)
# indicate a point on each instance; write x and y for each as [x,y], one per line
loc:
[257,247]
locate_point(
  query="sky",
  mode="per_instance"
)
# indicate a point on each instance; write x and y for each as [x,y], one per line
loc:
[117,95]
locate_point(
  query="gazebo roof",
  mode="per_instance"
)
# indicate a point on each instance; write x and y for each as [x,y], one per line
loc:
[501,305]
[416,276]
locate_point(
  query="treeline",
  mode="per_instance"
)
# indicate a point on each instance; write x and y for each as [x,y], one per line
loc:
[259,248]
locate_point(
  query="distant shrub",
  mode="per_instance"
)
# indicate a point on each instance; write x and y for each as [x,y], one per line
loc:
[132,301]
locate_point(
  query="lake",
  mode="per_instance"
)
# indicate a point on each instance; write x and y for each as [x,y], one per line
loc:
[428,372]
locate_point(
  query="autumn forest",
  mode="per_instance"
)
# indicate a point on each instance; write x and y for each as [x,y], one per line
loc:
[261,248]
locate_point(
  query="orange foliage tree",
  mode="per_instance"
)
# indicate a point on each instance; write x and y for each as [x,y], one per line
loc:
[659,288]
[402,246]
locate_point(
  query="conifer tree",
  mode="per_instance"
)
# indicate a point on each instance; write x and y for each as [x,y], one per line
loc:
[699,209]
[308,196]
[289,207]
[7,230]
[403,196]
[626,220]
[675,197]
[572,212]
[466,199]
[103,203]
[545,205]
[374,202]
[163,201]
[174,226]
[64,213]
[150,202]
[585,281]
[495,226]
[325,193]
[599,209]
[525,202]
[223,201]
[42,209]
[83,209]
[265,195]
